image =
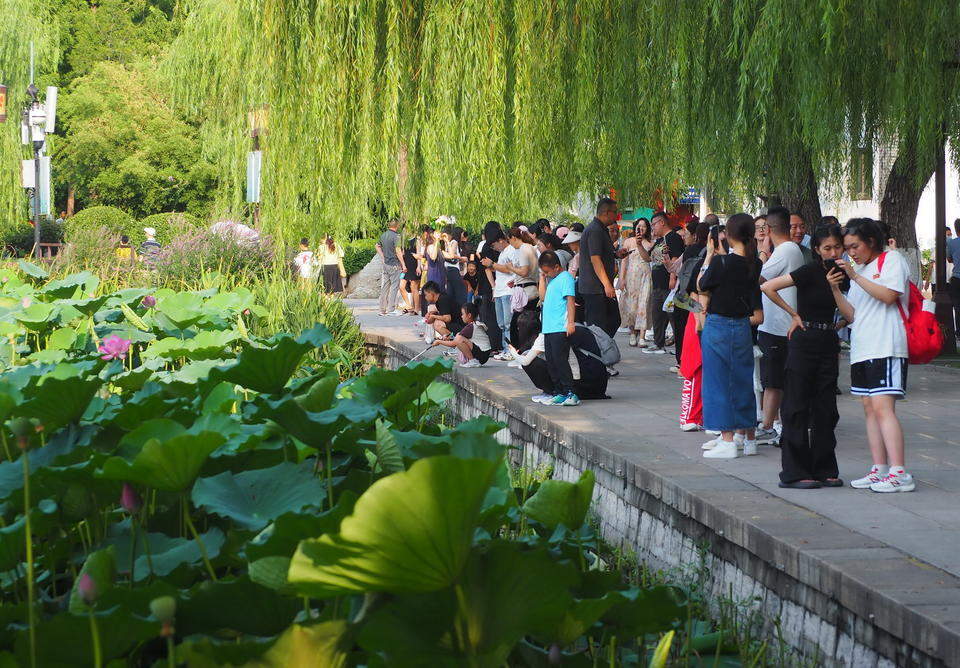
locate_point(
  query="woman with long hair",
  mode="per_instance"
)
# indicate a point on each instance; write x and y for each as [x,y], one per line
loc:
[456,288]
[410,283]
[809,408]
[436,271]
[636,281]
[878,297]
[331,259]
[734,306]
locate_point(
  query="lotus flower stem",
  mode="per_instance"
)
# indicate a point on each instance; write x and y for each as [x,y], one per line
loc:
[6,447]
[95,638]
[171,661]
[196,537]
[31,612]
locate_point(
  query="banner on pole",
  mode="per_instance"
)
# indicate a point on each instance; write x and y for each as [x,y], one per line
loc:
[254,167]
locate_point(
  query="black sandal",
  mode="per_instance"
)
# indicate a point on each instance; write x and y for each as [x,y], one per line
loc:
[832,482]
[801,484]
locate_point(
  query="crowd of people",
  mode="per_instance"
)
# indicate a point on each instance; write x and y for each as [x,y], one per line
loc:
[755,309]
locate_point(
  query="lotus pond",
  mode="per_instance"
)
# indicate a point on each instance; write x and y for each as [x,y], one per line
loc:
[175,490]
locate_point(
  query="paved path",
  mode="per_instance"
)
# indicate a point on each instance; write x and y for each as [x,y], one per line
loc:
[644,409]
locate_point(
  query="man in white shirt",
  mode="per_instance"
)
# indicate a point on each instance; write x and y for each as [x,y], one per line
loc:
[772,338]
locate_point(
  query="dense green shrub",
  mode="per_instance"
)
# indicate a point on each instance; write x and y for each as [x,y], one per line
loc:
[117,222]
[190,255]
[357,254]
[19,240]
[170,225]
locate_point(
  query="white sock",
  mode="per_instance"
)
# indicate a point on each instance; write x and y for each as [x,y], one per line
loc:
[882,469]
[897,470]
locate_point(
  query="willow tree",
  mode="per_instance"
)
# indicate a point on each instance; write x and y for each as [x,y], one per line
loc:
[23,21]
[775,95]
[479,108]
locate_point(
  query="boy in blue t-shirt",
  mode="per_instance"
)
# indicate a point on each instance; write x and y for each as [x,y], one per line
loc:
[558,325]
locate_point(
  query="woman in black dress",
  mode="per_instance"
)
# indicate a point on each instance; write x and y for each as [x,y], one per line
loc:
[410,283]
[809,409]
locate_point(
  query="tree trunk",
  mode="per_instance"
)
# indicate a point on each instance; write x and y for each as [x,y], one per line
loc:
[71,201]
[901,196]
[803,197]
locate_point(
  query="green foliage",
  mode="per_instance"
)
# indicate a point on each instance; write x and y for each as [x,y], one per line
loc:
[339,521]
[19,240]
[112,219]
[125,147]
[170,225]
[357,254]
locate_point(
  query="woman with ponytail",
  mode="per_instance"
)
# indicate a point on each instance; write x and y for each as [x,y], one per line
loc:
[731,277]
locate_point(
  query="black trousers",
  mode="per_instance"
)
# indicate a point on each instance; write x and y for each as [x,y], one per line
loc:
[658,318]
[954,289]
[557,351]
[488,316]
[679,321]
[602,311]
[809,409]
[593,387]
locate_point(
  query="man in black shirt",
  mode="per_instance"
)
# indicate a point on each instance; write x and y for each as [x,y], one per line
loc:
[668,247]
[493,242]
[597,267]
[443,314]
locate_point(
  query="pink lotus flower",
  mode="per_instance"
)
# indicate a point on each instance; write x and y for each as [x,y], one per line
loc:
[25,302]
[87,589]
[130,500]
[149,301]
[114,348]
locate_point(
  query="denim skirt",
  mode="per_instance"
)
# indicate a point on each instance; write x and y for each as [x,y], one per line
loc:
[728,399]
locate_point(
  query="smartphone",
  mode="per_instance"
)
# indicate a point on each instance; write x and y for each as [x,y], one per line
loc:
[715,236]
[830,265]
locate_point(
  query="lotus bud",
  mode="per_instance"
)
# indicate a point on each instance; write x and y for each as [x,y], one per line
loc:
[130,500]
[21,428]
[37,425]
[87,589]
[246,311]
[25,302]
[149,301]
[163,608]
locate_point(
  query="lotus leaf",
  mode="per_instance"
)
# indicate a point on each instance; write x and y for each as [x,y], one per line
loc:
[252,499]
[67,287]
[237,604]
[409,532]
[182,308]
[205,345]
[285,533]
[267,367]
[324,644]
[170,465]
[61,396]
[166,553]
[33,271]
[560,502]
[38,316]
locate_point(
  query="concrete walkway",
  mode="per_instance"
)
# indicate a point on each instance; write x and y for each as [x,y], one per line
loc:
[640,422]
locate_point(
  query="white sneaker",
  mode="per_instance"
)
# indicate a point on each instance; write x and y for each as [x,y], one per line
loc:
[623,330]
[767,436]
[709,445]
[507,356]
[515,364]
[876,474]
[633,340]
[541,398]
[895,482]
[396,313]
[470,364]
[654,351]
[749,448]
[722,450]
[690,426]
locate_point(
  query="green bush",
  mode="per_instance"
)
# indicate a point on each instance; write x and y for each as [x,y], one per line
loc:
[170,225]
[357,254]
[19,240]
[113,219]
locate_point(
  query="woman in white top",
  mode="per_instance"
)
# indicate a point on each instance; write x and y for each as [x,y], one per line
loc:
[879,289]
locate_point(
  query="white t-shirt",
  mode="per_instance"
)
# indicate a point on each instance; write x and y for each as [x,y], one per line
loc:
[878,330]
[513,256]
[306,264]
[786,258]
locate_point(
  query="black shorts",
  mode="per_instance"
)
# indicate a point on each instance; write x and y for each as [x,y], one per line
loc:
[773,364]
[871,378]
[480,355]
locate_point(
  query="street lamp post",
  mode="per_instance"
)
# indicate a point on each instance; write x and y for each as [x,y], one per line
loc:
[38,121]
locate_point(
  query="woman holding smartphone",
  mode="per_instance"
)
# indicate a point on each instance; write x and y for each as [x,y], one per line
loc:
[874,305]
[732,280]
[809,409]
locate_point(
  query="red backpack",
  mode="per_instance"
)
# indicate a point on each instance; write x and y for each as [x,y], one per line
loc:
[924,336]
